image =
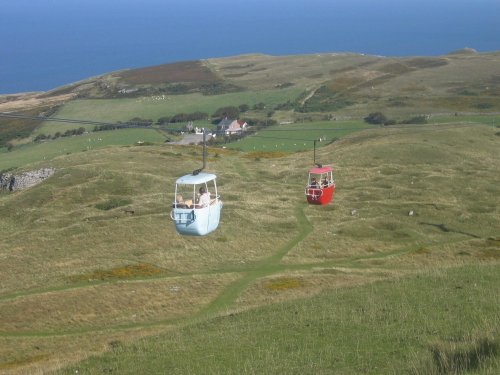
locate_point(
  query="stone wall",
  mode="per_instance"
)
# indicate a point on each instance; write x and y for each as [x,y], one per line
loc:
[24,180]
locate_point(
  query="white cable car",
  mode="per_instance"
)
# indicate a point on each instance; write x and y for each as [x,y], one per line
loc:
[197,205]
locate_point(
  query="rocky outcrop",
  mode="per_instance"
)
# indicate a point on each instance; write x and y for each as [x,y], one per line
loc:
[24,180]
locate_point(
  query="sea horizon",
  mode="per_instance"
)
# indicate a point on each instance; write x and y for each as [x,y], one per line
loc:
[50,43]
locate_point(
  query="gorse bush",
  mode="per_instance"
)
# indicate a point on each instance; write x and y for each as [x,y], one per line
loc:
[376,118]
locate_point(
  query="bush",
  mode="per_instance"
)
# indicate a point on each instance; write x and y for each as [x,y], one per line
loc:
[376,118]
[229,112]
[137,121]
[99,128]
[243,108]
[184,117]
[284,106]
[416,120]
[259,106]
[163,120]
[40,137]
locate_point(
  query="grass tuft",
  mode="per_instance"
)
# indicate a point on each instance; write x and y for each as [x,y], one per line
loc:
[452,357]
[23,361]
[112,203]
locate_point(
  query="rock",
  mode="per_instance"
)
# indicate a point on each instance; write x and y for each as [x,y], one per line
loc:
[24,180]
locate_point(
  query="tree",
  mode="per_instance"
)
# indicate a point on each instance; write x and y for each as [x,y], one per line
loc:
[229,112]
[40,137]
[243,108]
[140,121]
[376,118]
[163,120]
[416,120]
[259,106]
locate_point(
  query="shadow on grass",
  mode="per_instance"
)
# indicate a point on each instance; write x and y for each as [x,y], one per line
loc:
[457,357]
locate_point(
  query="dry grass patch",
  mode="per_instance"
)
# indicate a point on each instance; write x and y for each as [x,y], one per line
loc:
[481,249]
[44,354]
[108,305]
[27,360]
[304,284]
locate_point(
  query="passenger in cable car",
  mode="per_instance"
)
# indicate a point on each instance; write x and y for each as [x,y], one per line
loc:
[314,184]
[179,201]
[204,199]
[325,182]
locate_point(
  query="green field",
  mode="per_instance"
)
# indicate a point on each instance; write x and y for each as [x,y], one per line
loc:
[41,153]
[114,110]
[297,137]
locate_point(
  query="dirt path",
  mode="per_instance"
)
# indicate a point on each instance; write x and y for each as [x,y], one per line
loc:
[309,96]
[189,138]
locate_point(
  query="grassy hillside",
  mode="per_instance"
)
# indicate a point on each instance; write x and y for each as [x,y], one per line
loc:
[79,280]
[398,274]
[401,326]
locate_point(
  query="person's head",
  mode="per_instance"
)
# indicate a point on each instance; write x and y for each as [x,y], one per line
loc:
[202,190]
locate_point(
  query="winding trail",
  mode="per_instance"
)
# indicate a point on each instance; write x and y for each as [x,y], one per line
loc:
[265,267]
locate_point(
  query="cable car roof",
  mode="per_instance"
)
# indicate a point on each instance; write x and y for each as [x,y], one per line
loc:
[191,179]
[318,170]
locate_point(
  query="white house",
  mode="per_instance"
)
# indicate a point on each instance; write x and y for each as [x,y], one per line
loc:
[227,126]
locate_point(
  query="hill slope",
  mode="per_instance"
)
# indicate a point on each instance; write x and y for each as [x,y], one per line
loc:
[79,279]
[91,262]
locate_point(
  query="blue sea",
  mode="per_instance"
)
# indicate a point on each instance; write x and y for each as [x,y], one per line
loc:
[48,43]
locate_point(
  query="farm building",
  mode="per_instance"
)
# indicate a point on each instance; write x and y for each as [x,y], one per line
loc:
[227,126]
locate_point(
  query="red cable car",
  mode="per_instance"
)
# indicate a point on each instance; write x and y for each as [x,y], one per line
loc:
[320,185]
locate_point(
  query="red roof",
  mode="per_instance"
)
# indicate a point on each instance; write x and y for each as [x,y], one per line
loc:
[318,170]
